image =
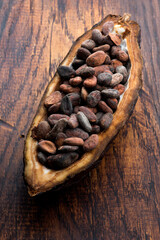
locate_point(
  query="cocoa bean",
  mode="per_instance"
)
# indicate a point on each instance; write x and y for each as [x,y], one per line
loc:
[53,118]
[68,148]
[88,113]
[104,107]
[41,130]
[77,63]
[93,109]
[47,146]
[80,68]
[112,103]
[76,109]
[86,72]
[83,53]
[93,98]
[75,81]
[62,160]
[104,48]
[77,132]
[66,72]
[110,93]
[107,27]
[84,122]
[104,79]
[58,127]
[123,71]
[74,141]
[108,60]
[116,38]
[97,36]
[115,63]
[115,50]
[91,143]
[122,56]
[90,82]
[54,108]
[101,69]
[106,120]
[99,116]
[66,105]
[89,44]
[95,129]
[66,88]
[60,139]
[120,88]
[75,98]
[53,98]
[73,121]
[116,79]
[41,158]
[84,93]
[96,59]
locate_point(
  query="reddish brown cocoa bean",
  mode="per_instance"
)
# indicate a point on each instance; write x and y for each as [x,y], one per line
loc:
[53,118]
[104,107]
[74,141]
[60,139]
[93,109]
[115,50]
[80,68]
[73,121]
[101,69]
[68,88]
[96,59]
[89,114]
[95,129]
[90,82]
[58,127]
[47,146]
[77,132]
[86,72]
[75,81]
[122,56]
[53,98]
[107,60]
[116,38]
[120,88]
[116,63]
[67,148]
[91,143]
[112,103]
[104,48]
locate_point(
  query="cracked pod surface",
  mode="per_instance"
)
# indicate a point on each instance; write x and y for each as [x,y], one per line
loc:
[41,179]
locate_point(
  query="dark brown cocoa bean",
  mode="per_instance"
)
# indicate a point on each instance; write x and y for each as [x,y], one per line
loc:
[91,143]
[112,103]
[53,98]
[96,59]
[62,160]
[73,121]
[84,122]
[76,109]
[99,88]
[47,146]
[60,139]
[58,127]
[54,108]
[83,53]
[115,50]
[77,63]
[104,107]
[68,148]
[66,88]
[74,141]
[89,44]
[99,116]
[116,79]
[95,129]
[41,130]
[77,132]
[66,105]
[88,113]
[97,36]
[75,81]
[120,88]
[80,68]
[93,109]
[87,72]
[107,27]
[75,98]
[90,82]
[41,158]
[104,79]
[106,120]
[66,72]
[110,93]
[93,98]
[104,48]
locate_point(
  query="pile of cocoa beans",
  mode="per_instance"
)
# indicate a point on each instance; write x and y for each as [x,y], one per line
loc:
[88,96]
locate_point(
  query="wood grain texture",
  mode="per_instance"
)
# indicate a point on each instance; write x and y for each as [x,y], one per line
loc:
[120,199]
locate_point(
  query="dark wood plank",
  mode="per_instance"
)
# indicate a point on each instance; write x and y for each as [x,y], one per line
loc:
[120,199]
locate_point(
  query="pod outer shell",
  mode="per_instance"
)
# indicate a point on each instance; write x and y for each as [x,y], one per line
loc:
[40,179]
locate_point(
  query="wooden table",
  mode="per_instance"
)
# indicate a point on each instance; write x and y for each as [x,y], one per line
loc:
[120,199]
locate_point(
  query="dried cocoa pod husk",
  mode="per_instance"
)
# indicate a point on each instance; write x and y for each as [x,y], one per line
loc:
[40,179]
